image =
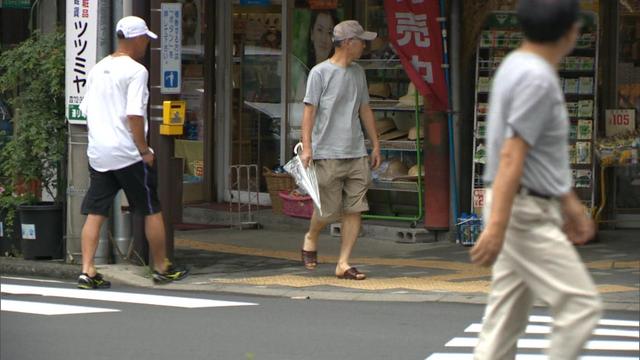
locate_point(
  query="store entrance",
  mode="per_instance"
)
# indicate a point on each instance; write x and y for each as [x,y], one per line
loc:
[255,100]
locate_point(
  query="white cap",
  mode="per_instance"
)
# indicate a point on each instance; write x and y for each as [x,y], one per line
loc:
[133,26]
[349,29]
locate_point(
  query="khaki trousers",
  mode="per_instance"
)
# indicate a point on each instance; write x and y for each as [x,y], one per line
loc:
[537,261]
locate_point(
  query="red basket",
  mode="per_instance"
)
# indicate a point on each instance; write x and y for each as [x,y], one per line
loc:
[296,206]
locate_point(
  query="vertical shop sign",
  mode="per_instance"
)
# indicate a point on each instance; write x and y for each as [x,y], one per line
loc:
[414,32]
[171,48]
[81,44]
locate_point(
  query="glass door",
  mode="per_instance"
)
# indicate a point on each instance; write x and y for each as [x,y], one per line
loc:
[256,83]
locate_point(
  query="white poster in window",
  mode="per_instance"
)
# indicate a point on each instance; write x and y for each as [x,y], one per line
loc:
[170,48]
[619,121]
[81,45]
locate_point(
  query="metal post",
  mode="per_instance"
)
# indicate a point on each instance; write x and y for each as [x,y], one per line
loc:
[77,185]
[222,129]
[122,234]
[456,99]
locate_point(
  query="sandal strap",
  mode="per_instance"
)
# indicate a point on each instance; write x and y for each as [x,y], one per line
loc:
[309,257]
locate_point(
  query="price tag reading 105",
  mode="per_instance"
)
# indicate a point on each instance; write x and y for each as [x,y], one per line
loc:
[620,121]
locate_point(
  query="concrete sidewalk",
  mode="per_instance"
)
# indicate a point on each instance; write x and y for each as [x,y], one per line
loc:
[267,262]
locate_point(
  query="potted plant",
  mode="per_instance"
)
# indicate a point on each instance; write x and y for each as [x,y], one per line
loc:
[32,80]
[9,219]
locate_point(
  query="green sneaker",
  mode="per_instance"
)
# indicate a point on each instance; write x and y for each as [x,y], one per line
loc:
[173,273]
[97,282]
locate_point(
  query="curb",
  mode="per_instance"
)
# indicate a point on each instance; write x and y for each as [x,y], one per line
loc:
[131,275]
[45,268]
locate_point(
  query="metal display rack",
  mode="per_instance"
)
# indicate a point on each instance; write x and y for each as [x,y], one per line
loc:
[394,146]
[578,75]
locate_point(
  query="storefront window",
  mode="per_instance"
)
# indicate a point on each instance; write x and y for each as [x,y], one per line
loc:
[189,146]
[627,179]
[256,84]
[391,97]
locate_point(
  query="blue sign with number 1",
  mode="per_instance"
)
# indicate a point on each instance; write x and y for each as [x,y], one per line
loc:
[171,79]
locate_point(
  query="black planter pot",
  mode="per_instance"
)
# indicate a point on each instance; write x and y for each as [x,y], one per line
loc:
[41,230]
[9,238]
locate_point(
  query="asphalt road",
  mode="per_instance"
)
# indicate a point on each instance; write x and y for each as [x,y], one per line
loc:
[140,324]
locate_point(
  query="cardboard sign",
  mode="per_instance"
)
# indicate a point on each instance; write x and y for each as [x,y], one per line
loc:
[619,121]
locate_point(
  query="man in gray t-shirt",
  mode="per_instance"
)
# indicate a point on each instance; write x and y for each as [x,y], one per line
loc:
[336,109]
[532,216]
[527,101]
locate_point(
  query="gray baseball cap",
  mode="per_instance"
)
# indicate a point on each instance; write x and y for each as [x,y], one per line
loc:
[349,29]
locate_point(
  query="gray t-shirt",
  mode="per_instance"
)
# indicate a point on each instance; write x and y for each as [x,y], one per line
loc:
[526,99]
[337,93]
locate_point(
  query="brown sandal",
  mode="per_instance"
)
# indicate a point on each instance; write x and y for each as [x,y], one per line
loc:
[310,259]
[352,274]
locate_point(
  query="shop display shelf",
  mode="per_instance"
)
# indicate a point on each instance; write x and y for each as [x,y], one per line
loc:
[406,186]
[407,145]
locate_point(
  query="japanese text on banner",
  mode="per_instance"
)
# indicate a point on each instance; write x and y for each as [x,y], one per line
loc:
[414,32]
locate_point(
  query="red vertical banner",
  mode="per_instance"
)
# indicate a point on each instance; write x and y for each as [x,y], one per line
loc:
[415,34]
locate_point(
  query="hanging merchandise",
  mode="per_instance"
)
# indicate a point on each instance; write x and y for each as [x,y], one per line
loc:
[619,150]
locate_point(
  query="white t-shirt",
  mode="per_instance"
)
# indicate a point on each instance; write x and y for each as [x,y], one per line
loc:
[117,87]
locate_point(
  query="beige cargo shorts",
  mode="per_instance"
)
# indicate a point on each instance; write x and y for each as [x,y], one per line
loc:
[343,185]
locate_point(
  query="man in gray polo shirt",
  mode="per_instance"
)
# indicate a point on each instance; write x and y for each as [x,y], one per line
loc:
[336,108]
[532,216]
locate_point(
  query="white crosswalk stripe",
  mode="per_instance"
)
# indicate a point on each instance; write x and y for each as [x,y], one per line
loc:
[619,341]
[23,305]
[544,344]
[117,296]
[542,329]
[40,308]
[469,356]
[602,322]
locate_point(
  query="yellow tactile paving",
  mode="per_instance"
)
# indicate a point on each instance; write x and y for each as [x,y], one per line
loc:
[295,256]
[371,283]
[427,283]
[464,277]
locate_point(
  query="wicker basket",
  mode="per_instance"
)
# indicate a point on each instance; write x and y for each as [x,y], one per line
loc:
[275,184]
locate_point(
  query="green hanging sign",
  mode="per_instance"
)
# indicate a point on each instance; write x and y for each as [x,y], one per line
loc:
[15,4]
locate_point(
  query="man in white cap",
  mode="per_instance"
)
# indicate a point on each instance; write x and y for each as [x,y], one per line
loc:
[115,105]
[335,111]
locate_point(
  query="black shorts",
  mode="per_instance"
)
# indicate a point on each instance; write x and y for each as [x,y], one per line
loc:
[139,182]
